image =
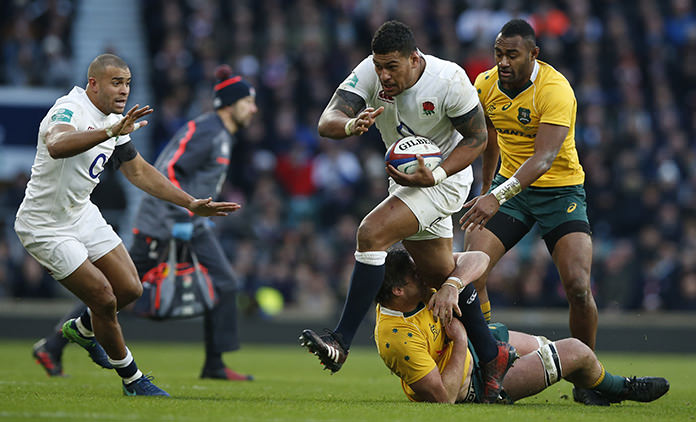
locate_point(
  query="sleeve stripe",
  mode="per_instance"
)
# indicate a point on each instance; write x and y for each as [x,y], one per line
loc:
[179,152]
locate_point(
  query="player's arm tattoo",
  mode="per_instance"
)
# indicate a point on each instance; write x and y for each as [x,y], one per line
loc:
[347,102]
[472,126]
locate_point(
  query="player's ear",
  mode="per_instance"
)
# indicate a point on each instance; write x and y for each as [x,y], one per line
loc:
[92,82]
[414,58]
[534,52]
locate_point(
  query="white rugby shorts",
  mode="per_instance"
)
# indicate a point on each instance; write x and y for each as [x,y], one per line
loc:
[62,249]
[434,206]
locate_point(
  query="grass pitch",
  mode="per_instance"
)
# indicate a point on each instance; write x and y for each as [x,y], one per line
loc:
[289,385]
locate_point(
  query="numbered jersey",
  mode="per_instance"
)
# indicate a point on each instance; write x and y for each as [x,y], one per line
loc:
[443,91]
[59,189]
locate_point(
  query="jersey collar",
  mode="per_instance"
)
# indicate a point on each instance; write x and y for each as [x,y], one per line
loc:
[94,108]
[386,311]
[530,82]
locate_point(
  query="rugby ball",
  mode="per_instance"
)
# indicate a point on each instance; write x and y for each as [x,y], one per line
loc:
[402,154]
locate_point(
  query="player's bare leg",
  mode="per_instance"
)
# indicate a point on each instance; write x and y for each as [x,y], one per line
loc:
[90,285]
[573,258]
[106,286]
[576,362]
[433,258]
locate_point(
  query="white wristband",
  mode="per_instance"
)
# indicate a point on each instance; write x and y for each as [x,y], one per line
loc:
[349,126]
[439,174]
[447,283]
[109,133]
[456,280]
[507,190]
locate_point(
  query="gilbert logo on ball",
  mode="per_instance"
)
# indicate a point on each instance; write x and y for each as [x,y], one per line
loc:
[402,154]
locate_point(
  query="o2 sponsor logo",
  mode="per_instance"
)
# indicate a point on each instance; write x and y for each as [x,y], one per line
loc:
[99,161]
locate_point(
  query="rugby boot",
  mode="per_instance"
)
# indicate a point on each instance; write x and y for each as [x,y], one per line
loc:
[225,373]
[90,344]
[589,397]
[494,371]
[643,389]
[46,358]
[329,348]
[143,386]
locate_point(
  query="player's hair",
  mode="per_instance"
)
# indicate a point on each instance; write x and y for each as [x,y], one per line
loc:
[398,265]
[102,61]
[519,27]
[393,36]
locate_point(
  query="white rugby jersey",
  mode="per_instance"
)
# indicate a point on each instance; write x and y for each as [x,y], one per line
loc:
[442,91]
[59,189]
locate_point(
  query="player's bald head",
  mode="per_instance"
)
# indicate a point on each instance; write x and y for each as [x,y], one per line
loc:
[101,62]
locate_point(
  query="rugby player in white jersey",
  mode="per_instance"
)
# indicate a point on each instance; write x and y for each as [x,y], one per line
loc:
[405,92]
[63,230]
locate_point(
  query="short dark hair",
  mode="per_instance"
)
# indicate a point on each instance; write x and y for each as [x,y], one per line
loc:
[398,265]
[519,27]
[393,36]
[102,61]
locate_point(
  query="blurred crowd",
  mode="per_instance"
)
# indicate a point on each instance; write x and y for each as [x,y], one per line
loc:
[632,65]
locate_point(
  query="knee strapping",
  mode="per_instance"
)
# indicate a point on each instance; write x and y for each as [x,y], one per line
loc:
[551,362]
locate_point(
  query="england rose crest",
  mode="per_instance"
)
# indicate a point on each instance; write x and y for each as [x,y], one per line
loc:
[428,108]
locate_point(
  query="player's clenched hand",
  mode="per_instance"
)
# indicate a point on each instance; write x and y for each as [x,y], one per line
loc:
[129,123]
[421,177]
[364,120]
[444,304]
[482,209]
[206,207]
[455,330]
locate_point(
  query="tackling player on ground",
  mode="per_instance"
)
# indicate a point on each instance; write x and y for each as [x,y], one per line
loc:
[63,230]
[405,92]
[436,363]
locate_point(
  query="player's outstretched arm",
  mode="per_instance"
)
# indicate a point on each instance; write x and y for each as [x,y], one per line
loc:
[63,141]
[469,266]
[346,115]
[549,140]
[143,175]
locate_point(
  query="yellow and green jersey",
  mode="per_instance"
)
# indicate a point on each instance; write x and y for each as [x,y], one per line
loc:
[547,98]
[412,344]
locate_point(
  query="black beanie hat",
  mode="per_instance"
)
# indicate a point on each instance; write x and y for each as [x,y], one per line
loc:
[229,89]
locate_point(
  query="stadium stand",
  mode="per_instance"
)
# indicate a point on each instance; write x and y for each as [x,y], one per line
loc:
[632,64]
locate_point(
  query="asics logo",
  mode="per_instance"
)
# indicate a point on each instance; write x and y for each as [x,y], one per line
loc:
[571,207]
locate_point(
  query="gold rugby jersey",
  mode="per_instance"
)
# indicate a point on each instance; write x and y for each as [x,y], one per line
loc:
[413,344]
[547,98]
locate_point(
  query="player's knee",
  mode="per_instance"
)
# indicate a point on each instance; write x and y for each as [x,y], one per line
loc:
[103,304]
[369,237]
[129,294]
[582,352]
[578,290]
